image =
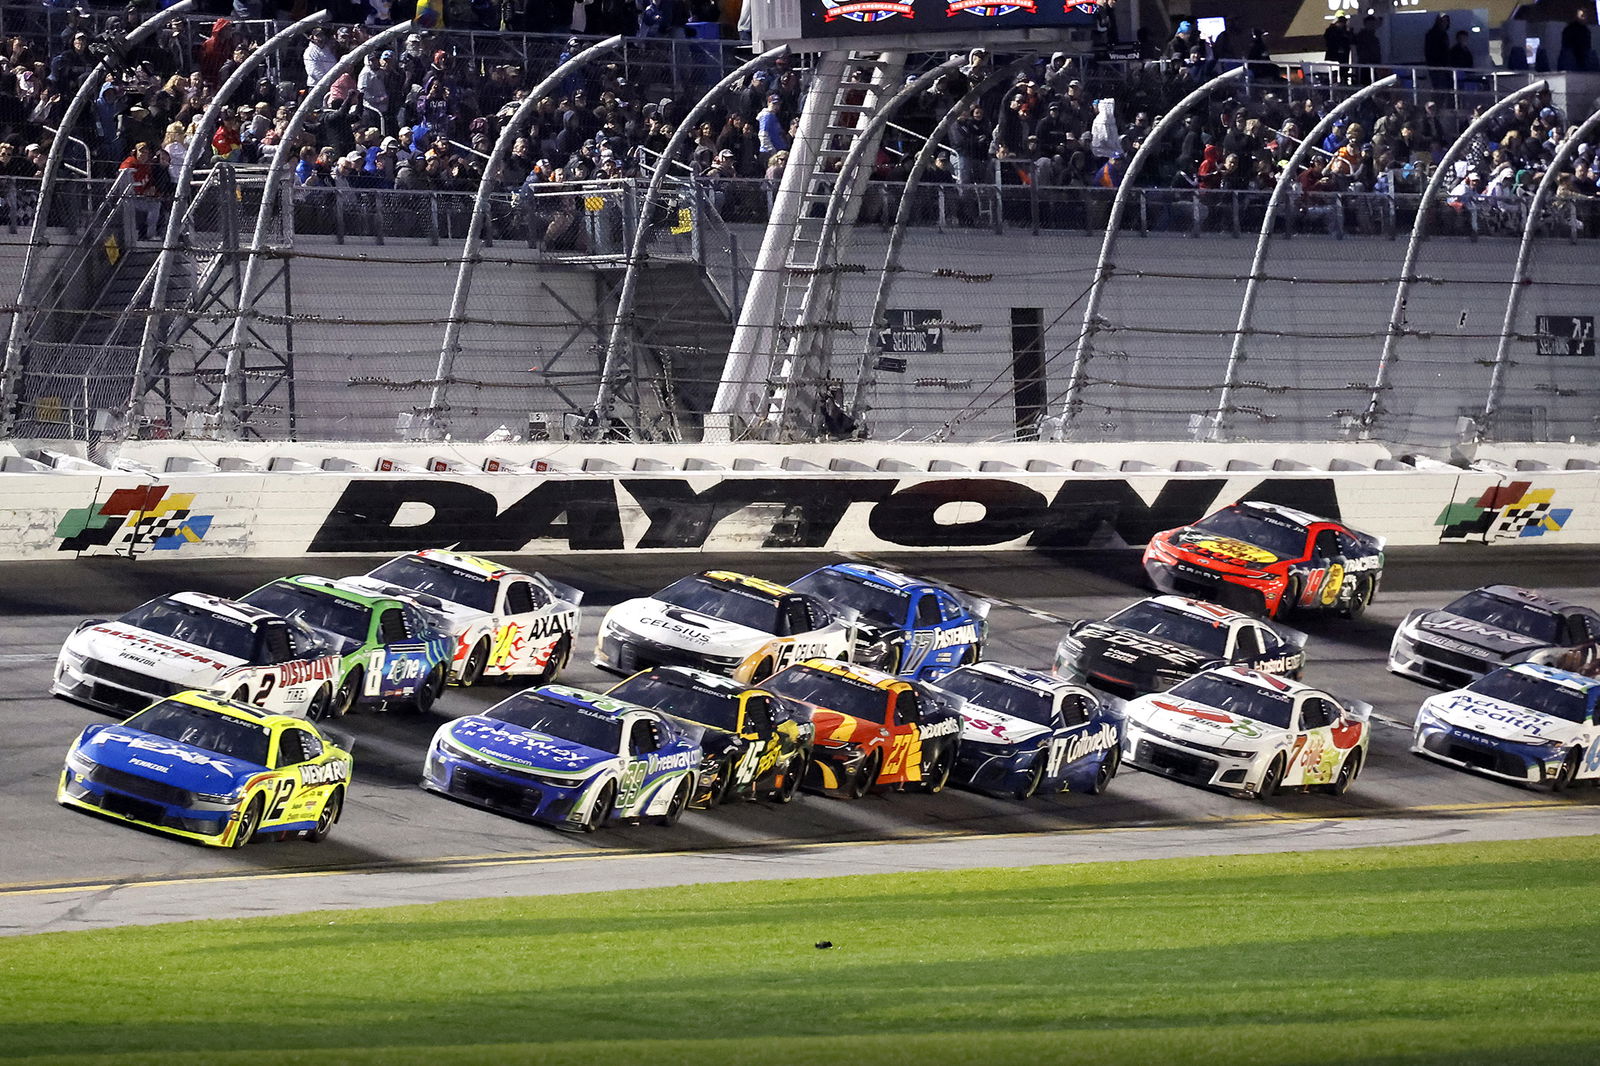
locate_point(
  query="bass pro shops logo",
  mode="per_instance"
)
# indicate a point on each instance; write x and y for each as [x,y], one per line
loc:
[133,521]
[865,10]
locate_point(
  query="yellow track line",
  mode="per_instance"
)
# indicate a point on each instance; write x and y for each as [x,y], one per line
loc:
[476,862]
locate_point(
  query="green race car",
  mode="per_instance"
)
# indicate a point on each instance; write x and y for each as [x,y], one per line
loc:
[390,651]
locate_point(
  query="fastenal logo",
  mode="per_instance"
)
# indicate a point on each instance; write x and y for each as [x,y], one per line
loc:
[865,10]
[133,521]
[988,8]
[1505,512]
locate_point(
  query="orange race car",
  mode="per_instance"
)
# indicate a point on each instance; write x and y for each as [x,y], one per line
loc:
[872,728]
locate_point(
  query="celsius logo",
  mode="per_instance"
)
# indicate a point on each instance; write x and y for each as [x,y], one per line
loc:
[989,9]
[865,10]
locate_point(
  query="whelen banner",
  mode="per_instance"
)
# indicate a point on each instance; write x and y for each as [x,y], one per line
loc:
[867,18]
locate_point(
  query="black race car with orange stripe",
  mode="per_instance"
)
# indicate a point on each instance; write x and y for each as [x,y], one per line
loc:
[1268,559]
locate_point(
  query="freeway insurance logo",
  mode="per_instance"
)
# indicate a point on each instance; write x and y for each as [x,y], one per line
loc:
[133,521]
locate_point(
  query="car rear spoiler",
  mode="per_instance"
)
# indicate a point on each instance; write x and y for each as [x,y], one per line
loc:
[1361,710]
[564,591]
[1291,634]
[340,738]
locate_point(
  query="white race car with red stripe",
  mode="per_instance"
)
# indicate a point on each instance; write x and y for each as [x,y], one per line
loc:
[504,622]
[1248,733]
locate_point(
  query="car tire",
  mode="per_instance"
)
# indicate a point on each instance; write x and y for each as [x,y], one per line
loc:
[557,661]
[1291,596]
[327,817]
[1347,773]
[472,669]
[1271,779]
[1567,774]
[679,804]
[1359,598]
[727,787]
[867,777]
[423,699]
[321,704]
[349,694]
[792,778]
[601,810]
[1030,785]
[1106,771]
[933,781]
[249,822]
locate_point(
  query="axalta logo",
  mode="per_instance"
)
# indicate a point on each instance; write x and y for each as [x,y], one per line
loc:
[1102,739]
[950,638]
[945,728]
[325,773]
[683,760]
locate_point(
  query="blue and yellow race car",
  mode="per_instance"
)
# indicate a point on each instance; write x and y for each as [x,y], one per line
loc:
[567,758]
[210,770]
[904,625]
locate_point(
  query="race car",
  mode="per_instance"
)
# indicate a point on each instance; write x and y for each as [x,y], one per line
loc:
[1156,643]
[1248,733]
[904,625]
[389,650]
[190,640]
[211,770]
[567,758]
[503,622]
[1024,732]
[1488,627]
[754,745]
[1525,723]
[1268,559]
[723,622]
[872,728]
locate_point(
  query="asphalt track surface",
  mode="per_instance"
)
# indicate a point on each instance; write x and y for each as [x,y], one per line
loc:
[62,869]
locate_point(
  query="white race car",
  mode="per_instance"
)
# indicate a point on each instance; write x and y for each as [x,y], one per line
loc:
[1248,733]
[1524,723]
[504,622]
[723,622]
[190,640]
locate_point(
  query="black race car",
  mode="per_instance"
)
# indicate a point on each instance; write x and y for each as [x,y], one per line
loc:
[1488,627]
[756,746]
[1156,643]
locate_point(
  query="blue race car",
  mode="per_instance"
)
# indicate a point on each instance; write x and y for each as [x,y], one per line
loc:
[904,625]
[567,758]
[1024,732]
[1524,723]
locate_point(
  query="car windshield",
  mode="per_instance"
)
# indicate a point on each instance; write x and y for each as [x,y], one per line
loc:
[1161,621]
[679,695]
[822,689]
[343,620]
[206,729]
[1535,693]
[541,714]
[196,625]
[1524,618]
[997,694]
[436,579]
[1238,697]
[874,602]
[1283,538]
[727,602]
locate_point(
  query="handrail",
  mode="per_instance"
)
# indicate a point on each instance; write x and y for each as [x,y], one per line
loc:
[88,156]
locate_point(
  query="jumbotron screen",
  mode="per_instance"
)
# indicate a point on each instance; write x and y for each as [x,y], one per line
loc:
[867,18]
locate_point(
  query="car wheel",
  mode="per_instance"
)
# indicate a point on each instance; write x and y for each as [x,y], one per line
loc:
[793,774]
[325,821]
[557,661]
[1271,780]
[428,691]
[867,777]
[763,670]
[1107,770]
[1347,773]
[1565,776]
[675,809]
[1291,596]
[1359,598]
[1035,778]
[727,788]
[349,692]
[249,822]
[472,669]
[602,807]
[935,778]
[320,703]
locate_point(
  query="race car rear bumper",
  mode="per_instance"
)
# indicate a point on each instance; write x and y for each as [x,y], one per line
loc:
[626,653]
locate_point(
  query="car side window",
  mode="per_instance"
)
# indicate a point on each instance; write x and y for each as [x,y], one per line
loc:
[291,747]
[1076,709]
[1349,547]
[907,708]
[312,744]
[642,738]
[275,644]
[927,610]
[391,626]
[1248,641]
[519,598]
[758,715]
[1327,545]
[1316,713]
[817,613]
[949,607]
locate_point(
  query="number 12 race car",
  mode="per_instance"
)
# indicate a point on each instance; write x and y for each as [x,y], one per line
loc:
[209,770]
[1268,559]
[904,625]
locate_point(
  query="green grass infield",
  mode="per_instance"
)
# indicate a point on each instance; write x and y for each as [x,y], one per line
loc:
[1480,953]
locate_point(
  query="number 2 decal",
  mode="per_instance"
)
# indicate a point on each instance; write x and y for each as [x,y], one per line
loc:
[267,683]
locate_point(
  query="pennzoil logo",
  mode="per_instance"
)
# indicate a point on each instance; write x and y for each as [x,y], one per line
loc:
[990,9]
[865,10]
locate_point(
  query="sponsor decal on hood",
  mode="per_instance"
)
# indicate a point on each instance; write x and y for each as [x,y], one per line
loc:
[1202,722]
[680,628]
[151,654]
[1129,646]
[160,759]
[1477,633]
[520,747]
[991,727]
[1495,718]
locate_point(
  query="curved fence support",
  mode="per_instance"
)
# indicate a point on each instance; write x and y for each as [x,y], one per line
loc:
[52,168]
[278,184]
[865,377]
[184,190]
[622,323]
[1445,170]
[1519,276]
[1119,206]
[1286,178]
[450,346]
